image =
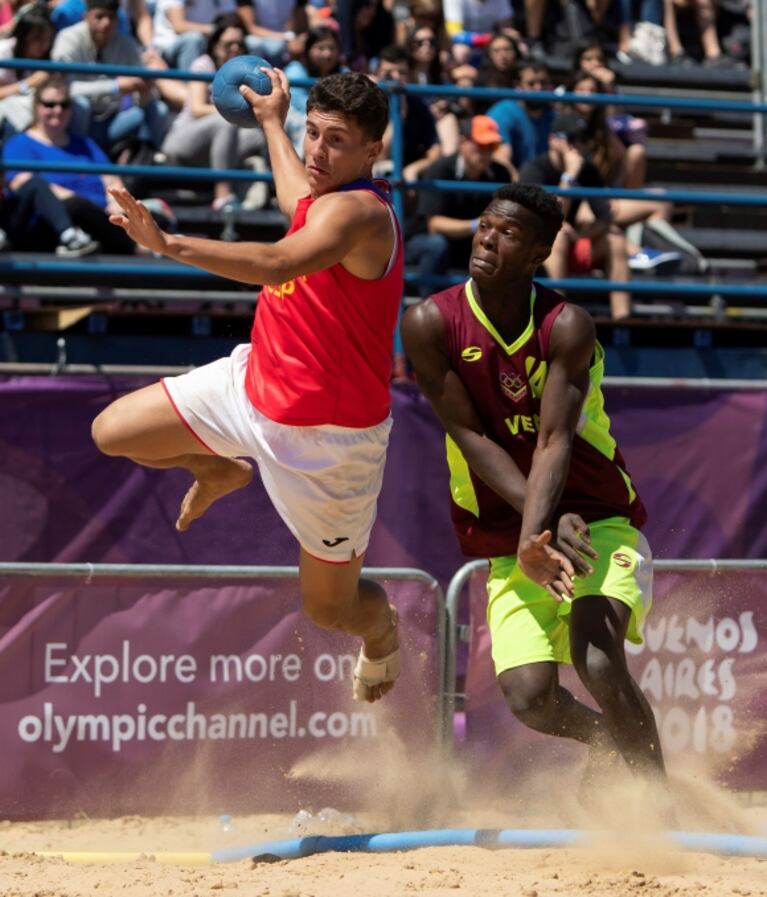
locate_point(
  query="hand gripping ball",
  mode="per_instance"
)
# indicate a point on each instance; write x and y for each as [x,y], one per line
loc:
[226,88]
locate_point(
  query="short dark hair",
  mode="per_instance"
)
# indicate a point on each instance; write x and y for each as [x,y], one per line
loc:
[109,5]
[393,53]
[355,95]
[535,199]
[524,64]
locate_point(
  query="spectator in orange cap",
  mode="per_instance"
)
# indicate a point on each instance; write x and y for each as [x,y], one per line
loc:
[441,230]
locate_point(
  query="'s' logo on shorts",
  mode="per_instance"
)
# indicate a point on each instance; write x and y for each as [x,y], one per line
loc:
[471,353]
[623,560]
[332,543]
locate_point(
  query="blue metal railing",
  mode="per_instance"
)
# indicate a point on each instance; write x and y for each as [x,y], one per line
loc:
[396,92]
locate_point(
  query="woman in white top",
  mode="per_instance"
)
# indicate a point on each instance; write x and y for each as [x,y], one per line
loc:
[199,135]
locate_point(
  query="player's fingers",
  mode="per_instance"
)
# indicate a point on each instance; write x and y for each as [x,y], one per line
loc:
[553,592]
[249,94]
[542,538]
[281,78]
[119,220]
[126,202]
[579,564]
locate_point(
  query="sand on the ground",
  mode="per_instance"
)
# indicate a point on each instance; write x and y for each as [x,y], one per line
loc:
[601,871]
[628,853]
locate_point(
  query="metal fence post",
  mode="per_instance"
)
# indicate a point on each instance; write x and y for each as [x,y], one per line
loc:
[759,78]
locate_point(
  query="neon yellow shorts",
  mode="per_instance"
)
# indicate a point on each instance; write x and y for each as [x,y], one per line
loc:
[528,626]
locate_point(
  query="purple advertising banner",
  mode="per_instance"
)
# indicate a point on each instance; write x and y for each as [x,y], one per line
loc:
[190,696]
[698,457]
[703,668]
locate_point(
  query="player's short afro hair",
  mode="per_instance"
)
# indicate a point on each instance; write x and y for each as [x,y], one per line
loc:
[543,205]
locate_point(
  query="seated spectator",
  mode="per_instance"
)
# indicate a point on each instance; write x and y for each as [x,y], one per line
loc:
[133,19]
[426,68]
[585,242]
[617,146]
[464,76]
[367,27]
[320,56]
[49,139]
[525,124]
[33,218]
[470,25]
[275,28]
[425,63]
[625,166]
[181,28]
[440,232]
[704,12]
[31,38]
[200,136]
[498,66]
[121,108]
[419,131]
[590,57]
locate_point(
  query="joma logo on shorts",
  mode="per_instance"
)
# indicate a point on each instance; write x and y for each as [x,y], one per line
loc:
[622,560]
[332,543]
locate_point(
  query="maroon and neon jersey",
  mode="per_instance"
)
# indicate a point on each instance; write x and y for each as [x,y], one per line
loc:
[506,383]
[322,344]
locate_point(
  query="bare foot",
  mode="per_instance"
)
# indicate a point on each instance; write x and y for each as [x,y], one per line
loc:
[215,478]
[383,647]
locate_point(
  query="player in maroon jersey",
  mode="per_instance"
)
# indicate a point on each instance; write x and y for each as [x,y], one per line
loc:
[513,370]
[308,398]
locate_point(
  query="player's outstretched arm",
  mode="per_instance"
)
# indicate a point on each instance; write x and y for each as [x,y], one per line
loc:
[338,224]
[571,345]
[271,110]
[423,334]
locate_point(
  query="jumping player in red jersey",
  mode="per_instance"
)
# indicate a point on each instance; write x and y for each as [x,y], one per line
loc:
[308,398]
[514,373]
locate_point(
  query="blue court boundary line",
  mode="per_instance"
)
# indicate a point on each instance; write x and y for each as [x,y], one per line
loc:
[391,842]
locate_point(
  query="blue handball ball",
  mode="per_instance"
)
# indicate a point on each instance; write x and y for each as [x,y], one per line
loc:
[226,88]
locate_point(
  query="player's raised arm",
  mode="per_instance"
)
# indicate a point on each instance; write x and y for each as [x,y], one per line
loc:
[571,345]
[271,110]
[423,334]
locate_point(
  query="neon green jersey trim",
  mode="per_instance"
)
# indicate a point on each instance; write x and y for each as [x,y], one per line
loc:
[483,319]
[461,486]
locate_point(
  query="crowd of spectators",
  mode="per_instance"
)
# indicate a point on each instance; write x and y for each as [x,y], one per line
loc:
[486,43]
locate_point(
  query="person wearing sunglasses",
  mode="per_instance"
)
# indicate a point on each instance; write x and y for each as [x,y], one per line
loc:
[84,195]
[200,136]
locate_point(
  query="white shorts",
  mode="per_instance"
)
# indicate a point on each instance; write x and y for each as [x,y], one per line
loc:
[324,481]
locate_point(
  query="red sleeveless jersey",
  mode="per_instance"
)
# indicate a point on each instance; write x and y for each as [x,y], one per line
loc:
[321,345]
[505,383]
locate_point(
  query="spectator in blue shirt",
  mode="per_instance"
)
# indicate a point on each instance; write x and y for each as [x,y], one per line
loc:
[525,124]
[49,139]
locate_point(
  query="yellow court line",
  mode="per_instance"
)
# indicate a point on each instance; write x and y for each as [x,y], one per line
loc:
[175,858]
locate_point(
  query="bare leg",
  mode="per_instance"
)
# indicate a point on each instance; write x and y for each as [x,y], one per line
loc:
[597,634]
[609,252]
[334,597]
[537,700]
[634,166]
[144,427]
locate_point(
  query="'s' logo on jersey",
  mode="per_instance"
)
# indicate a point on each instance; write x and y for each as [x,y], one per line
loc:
[622,560]
[471,353]
[513,386]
